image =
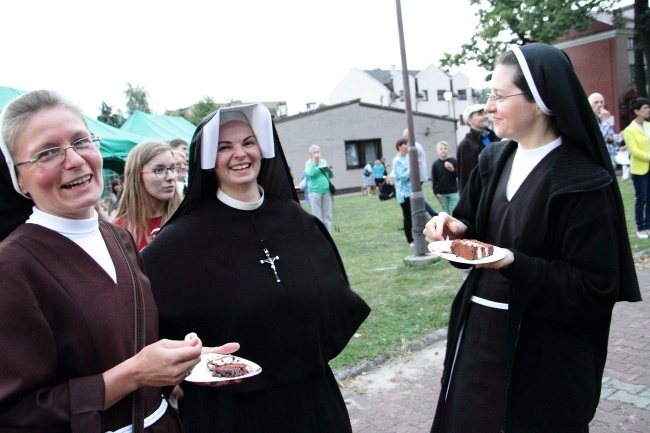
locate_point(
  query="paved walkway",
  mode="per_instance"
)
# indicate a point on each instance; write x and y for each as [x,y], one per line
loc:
[400,396]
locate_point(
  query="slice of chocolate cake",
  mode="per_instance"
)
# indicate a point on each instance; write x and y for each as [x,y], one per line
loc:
[226,366]
[230,370]
[471,249]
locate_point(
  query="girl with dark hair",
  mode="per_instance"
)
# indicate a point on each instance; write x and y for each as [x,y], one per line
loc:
[528,333]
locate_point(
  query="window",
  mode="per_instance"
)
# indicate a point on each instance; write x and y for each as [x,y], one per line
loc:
[630,44]
[360,152]
[425,95]
[441,95]
[632,74]
[401,96]
[462,95]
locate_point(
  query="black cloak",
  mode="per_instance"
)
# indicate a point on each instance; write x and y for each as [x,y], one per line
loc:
[564,281]
[14,208]
[207,278]
[561,91]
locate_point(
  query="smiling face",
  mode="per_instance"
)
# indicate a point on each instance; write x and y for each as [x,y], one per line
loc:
[239,160]
[161,190]
[479,120]
[513,117]
[70,189]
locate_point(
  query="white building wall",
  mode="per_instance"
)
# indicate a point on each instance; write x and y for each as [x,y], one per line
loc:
[360,85]
[330,128]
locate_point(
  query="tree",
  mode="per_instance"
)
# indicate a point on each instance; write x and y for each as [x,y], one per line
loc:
[108,117]
[503,23]
[641,46]
[201,109]
[136,99]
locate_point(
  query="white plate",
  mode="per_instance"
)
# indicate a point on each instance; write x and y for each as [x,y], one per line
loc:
[443,249]
[202,374]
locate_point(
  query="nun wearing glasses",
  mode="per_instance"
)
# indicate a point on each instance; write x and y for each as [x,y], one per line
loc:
[69,344]
[528,333]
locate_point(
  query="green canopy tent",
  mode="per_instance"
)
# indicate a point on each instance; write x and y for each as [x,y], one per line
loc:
[160,127]
[116,143]
[7,94]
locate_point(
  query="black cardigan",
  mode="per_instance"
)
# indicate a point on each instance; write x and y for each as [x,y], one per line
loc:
[571,266]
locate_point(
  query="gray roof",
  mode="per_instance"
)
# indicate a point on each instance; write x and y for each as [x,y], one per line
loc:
[384,76]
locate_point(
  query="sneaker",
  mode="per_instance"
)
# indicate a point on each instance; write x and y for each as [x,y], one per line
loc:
[642,234]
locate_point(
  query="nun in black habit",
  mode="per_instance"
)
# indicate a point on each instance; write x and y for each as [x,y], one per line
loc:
[527,337]
[241,260]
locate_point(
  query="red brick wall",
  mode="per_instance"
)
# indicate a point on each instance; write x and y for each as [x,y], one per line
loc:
[595,65]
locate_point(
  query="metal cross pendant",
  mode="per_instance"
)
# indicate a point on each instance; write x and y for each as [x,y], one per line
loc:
[270,260]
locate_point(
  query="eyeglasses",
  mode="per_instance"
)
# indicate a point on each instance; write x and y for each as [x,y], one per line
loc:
[56,155]
[161,172]
[496,98]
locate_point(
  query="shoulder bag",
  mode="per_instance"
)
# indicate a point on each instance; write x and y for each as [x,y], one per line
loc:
[332,187]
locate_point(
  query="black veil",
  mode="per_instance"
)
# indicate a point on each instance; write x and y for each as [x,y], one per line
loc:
[274,175]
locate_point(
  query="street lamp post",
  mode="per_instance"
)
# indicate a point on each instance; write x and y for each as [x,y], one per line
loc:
[450,97]
[418,215]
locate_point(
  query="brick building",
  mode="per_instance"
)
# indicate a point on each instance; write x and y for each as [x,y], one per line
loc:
[604,61]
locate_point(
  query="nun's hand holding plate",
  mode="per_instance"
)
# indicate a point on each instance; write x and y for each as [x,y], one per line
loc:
[499,264]
[443,227]
[222,350]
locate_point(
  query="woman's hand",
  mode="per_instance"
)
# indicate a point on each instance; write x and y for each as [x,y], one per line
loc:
[223,350]
[501,264]
[166,362]
[442,226]
[163,363]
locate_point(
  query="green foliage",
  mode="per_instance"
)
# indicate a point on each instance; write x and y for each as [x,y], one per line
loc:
[136,99]
[201,109]
[482,96]
[503,23]
[107,116]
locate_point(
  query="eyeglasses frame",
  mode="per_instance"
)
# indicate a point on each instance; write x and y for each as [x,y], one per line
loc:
[497,98]
[167,170]
[93,138]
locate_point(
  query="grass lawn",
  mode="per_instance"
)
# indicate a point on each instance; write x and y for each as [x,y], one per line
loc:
[407,303]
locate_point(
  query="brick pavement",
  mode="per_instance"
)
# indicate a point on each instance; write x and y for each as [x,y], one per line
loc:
[400,395]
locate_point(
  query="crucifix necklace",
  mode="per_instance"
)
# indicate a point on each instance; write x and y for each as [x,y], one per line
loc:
[271,261]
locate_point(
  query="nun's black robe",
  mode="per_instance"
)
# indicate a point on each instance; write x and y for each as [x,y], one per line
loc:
[572,263]
[207,278]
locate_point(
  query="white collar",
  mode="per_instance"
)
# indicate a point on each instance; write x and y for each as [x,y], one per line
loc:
[64,225]
[538,153]
[241,205]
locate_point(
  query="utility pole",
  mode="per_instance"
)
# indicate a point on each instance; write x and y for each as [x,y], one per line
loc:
[418,213]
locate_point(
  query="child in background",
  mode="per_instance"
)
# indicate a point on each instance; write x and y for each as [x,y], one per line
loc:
[380,173]
[444,178]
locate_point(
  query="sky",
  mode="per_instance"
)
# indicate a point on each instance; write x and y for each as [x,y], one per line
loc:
[250,50]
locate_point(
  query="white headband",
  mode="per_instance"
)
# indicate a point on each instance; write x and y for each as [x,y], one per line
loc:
[7,155]
[529,79]
[256,115]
